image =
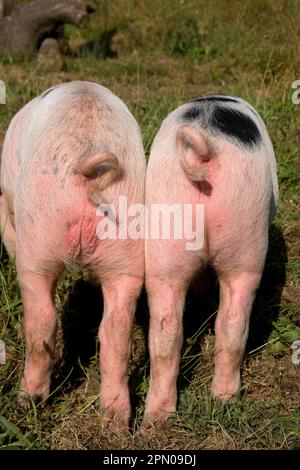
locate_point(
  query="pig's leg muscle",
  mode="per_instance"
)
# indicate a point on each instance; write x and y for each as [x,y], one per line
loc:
[166,288]
[166,301]
[239,265]
[237,293]
[120,295]
[40,327]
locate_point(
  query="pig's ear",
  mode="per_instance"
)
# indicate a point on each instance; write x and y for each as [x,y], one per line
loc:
[194,150]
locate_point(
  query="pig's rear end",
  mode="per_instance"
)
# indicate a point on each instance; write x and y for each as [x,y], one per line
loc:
[214,151]
[69,150]
[74,147]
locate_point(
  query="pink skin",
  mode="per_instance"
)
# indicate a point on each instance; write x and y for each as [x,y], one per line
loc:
[48,222]
[120,294]
[235,244]
[7,229]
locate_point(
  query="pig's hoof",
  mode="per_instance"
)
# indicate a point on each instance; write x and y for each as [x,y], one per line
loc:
[226,397]
[25,400]
[146,430]
[225,394]
[114,424]
[226,388]
[114,428]
[154,424]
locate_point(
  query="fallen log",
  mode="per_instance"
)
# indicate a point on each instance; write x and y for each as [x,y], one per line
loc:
[23,27]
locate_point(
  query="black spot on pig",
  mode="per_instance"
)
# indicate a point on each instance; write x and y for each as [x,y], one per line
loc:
[221,118]
[235,124]
[46,93]
[55,170]
[219,98]
[192,113]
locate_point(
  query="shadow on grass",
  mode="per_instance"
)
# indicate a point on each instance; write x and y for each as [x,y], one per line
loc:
[99,48]
[200,307]
[268,298]
[80,320]
[83,312]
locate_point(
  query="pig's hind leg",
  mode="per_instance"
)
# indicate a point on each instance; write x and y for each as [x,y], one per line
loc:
[40,323]
[120,294]
[237,293]
[166,286]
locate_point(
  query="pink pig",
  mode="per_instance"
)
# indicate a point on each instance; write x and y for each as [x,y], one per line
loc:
[65,152]
[213,151]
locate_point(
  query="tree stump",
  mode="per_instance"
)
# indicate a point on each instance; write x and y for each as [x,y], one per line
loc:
[23,27]
[49,58]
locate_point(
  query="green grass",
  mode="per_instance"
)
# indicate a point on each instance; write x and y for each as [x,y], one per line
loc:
[170,52]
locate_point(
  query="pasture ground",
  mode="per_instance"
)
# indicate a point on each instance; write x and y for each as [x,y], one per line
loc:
[156,55]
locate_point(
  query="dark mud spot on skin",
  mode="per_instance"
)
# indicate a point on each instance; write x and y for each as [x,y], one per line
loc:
[62,183]
[49,350]
[55,170]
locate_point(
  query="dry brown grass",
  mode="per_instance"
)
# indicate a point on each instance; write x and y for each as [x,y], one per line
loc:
[250,49]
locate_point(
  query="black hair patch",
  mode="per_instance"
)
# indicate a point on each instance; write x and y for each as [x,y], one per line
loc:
[46,93]
[235,124]
[195,112]
[220,98]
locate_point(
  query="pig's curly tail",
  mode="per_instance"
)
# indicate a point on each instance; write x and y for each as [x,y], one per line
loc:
[194,151]
[100,170]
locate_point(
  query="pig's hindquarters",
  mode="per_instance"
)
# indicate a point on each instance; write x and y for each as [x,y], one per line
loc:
[60,231]
[57,167]
[236,238]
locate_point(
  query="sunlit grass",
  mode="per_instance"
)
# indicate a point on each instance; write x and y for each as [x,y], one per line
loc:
[170,52]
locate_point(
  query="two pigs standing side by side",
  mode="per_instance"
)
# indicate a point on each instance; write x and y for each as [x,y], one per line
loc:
[76,147]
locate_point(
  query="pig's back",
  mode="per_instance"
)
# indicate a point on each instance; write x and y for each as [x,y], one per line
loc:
[239,190]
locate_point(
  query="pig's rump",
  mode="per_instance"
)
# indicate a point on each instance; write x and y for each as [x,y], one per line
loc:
[68,155]
[235,182]
[214,151]
[47,184]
